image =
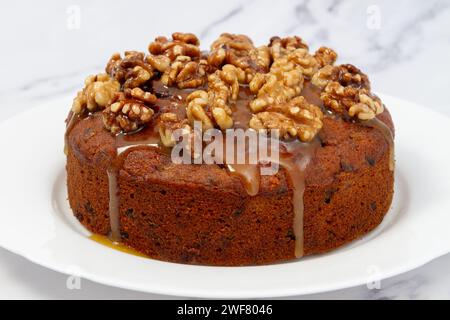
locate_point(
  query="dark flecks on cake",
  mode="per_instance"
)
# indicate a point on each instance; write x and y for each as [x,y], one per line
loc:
[129,212]
[328,195]
[290,234]
[370,160]
[88,207]
[346,167]
[238,211]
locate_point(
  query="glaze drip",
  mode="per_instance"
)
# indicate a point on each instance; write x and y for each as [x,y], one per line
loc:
[71,121]
[388,136]
[295,159]
[114,203]
[169,101]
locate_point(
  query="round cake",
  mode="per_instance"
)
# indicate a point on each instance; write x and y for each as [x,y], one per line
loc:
[335,152]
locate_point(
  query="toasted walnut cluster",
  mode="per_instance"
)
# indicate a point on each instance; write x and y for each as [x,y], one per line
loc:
[277,92]
[178,60]
[239,51]
[169,122]
[131,71]
[346,90]
[295,118]
[129,110]
[172,129]
[274,74]
[97,93]
[291,64]
[212,107]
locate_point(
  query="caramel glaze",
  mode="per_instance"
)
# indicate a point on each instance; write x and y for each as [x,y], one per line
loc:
[71,121]
[387,134]
[115,245]
[295,156]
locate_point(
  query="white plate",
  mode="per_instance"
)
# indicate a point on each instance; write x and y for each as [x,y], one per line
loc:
[36,221]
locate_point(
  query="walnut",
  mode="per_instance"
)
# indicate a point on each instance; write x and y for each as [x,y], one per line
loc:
[160,63]
[279,46]
[132,71]
[325,56]
[178,60]
[346,90]
[136,77]
[129,111]
[185,73]
[126,116]
[139,94]
[168,123]
[306,62]
[282,83]
[323,76]
[197,102]
[296,118]
[291,63]
[98,91]
[213,106]
[345,75]
[182,44]
[368,107]
[294,49]
[239,51]
[356,102]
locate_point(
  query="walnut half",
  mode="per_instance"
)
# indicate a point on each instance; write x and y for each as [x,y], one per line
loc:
[98,92]
[129,111]
[346,90]
[358,103]
[296,118]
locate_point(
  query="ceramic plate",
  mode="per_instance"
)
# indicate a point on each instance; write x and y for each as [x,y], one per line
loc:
[36,221]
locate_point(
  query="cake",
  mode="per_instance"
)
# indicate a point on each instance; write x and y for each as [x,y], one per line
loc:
[336,152]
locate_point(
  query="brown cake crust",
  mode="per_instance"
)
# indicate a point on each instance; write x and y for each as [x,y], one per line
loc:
[201,214]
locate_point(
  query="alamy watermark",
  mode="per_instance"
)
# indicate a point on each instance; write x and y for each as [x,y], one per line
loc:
[229,147]
[373,21]
[374,278]
[73,281]
[73,20]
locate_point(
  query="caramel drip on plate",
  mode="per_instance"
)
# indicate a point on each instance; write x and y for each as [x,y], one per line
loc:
[115,245]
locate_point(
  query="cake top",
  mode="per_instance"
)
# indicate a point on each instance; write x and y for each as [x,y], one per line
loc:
[269,80]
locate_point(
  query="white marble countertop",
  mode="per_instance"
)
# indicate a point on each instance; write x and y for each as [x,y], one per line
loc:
[49,48]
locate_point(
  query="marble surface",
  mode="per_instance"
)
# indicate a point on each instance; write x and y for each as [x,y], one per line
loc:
[48,49]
